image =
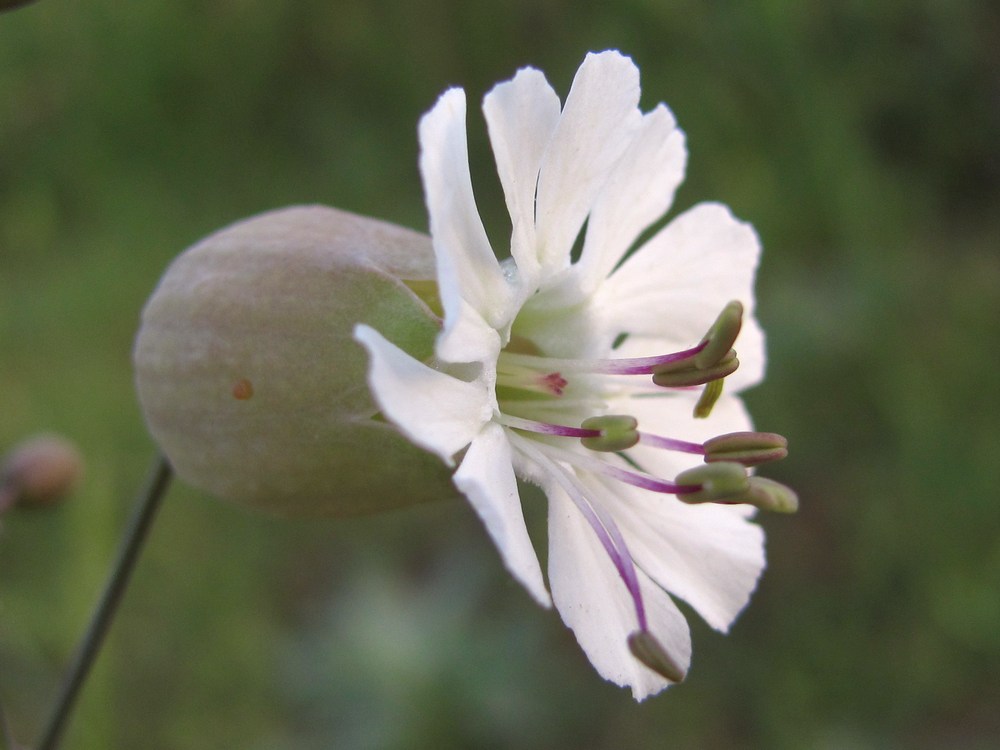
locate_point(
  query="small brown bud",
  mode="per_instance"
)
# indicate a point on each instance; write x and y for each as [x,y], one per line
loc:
[39,472]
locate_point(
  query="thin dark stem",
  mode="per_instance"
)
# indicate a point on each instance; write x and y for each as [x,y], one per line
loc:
[142,518]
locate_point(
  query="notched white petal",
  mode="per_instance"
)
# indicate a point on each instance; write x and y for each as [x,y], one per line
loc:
[436,411]
[466,266]
[521,115]
[639,191]
[597,123]
[486,478]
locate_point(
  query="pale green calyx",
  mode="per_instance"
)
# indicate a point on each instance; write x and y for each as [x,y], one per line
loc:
[249,377]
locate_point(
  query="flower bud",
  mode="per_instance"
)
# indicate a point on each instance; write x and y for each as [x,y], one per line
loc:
[249,377]
[39,472]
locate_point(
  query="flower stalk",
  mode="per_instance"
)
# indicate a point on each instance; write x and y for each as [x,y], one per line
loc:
[147,504]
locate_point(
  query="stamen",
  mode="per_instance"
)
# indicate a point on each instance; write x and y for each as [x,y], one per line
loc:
[723,482]
[679,375]
[609,433]
[727,483]
[642,643]
[710,360]
[671,444]
[631,476]
[721,336]
[769,495]
[716,360]
[747,448]
[546,428]
[623,563]
[626,366]
[602,524]
[615,432]
[709,396]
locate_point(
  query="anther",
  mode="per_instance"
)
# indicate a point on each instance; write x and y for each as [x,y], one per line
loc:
[718,482]
[684,374]
[709,396]
[617,433]
[721,336]
[747,448]
[650,652]
[771,496]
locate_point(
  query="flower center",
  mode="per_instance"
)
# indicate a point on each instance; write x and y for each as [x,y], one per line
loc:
[551,407]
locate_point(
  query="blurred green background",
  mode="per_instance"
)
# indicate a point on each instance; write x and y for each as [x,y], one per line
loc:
[862,140]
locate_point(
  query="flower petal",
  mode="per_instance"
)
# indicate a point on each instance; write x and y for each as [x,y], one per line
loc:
[436,411]
[468,339]
[597,124]
[639,190]
[486,478]
[466,266]
[669,292]
[594,602]
[521,115]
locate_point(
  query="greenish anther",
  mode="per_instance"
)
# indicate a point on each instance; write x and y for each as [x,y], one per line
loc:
[677,375]
[747,448]
[721,336]
[709,396]
[618,433]
[650,652]
[771,496]
[717,482]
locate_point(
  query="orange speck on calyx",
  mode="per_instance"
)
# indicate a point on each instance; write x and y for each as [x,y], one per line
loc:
[242,389]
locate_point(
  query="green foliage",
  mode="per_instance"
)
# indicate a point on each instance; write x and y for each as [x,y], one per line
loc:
[860,139]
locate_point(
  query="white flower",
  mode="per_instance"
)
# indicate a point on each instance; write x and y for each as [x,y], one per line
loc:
[535,345]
